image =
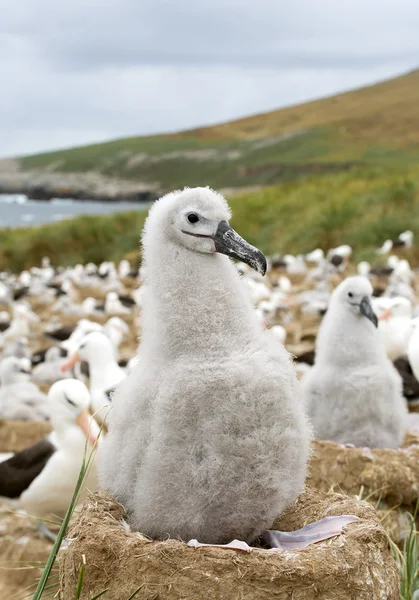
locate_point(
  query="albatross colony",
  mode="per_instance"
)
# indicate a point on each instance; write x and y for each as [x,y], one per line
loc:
[221,392]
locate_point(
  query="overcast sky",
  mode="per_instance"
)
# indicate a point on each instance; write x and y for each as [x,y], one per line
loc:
[79,71]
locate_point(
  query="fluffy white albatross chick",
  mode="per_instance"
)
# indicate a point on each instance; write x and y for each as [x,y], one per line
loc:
[353,393]
[207,436]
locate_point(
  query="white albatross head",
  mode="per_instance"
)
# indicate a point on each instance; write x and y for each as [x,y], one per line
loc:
[69,401]
[94,348]
[355,294]
[197,219]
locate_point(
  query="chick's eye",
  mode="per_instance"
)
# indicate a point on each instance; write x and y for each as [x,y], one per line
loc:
[69,400]
[350,294]
[193,218]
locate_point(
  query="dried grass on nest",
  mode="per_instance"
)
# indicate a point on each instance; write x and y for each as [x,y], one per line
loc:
[357,564]
[23,554]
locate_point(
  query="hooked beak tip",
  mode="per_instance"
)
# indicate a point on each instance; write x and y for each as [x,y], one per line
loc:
[229,242]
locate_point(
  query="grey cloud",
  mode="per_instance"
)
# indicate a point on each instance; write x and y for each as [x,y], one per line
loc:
[83,35]
[80,71]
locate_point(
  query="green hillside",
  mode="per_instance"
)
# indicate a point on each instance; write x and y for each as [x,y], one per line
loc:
[361,208]
[338,170]
[375,125]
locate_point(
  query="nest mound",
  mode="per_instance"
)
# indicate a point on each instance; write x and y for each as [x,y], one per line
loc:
[17,435]
[357,565]
[387,478]
[23,553]
[390,475]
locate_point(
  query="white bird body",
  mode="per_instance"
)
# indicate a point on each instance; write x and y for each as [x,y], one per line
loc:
[49,371]
[403,272]
[207,437]
[395,326]
[258,290]
[116,329]
[344,251]
[104,372]
[51,491]
[316,256]
[353,393]
[279,333]
[413,347]
[19,398]
[19,326]
[407,238]
[296,265]
[83,328]
[113,305]
[363,268]
[386,247]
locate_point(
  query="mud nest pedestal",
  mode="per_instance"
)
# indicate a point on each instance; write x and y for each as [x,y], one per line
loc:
[356,565]
[388,479]
[17,435]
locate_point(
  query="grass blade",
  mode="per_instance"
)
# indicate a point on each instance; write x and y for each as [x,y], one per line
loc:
[100,594]
[80,582]
[134,593]
[64,525]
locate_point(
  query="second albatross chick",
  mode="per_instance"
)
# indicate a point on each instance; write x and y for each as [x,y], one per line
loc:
[353,393]
[207,435]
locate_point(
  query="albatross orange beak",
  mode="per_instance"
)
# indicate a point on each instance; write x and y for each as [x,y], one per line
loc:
[385,315]
[68,364]
[83,421]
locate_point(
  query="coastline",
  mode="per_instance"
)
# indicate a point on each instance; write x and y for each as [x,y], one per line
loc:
[46,185]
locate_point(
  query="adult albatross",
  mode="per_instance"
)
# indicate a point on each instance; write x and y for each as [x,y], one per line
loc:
[207,437]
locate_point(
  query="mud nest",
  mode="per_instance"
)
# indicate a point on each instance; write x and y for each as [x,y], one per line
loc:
[17,435]
[389,479]
[356,565]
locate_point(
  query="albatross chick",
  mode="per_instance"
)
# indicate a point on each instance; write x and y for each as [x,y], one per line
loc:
[207,437]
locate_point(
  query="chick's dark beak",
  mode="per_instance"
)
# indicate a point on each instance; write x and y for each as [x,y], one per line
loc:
[366,310]
[229,242]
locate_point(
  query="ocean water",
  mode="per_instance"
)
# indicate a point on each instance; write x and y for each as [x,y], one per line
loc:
[17,211]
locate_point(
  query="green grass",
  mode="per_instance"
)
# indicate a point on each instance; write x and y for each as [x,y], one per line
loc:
[408,562]
[362,208]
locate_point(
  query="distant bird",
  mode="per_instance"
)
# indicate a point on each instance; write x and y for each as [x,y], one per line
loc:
[363,268]
[104,372]
[410,383]
[19,398]
[316,256]
[114,306]
[44,475]
[84,326]
[405,240]
[19,326]
[395,326]
[413,348]
[339,256]
[49,371]
[353,394]
[4,320]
